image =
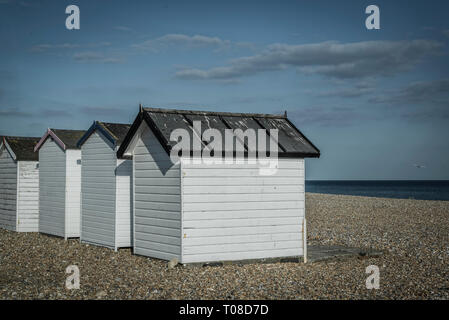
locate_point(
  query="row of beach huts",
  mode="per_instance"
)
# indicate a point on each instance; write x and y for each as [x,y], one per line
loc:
[115,185]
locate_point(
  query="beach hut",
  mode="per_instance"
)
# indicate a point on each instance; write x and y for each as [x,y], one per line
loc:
[105,187]
[19,184]
[200,212]
[59,182]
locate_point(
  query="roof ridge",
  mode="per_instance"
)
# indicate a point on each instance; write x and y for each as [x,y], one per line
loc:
[119,123]
[66,129]
[105,128]
[218,113]
[20,137]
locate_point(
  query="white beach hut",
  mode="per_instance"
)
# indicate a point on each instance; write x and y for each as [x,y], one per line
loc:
[200,212]
[105,187]
[59,182]
[19,184]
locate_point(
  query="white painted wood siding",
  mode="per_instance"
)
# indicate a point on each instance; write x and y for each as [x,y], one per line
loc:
[52,184]
[73,193]
[231,212]
[157,200]
[123,203]
[28,197]
[98,191]
[8,191]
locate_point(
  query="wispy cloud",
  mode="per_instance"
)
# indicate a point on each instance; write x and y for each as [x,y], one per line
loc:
[428,92]
[195,41]
[425,101]
[61,46]
[28,4]
[20,3]
[55,113]
[426,115]
[95,57]
[123,28]
[333,59]
[324,116]
[88,56]
[349,91]
[13,113]
[47,47]
[104,111]
[46,112]
[419,101]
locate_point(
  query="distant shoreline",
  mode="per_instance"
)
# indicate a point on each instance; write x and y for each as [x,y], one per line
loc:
[370,197]
[392,189]
[377,180]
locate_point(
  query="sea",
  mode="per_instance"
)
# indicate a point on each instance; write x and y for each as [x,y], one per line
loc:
[399,189]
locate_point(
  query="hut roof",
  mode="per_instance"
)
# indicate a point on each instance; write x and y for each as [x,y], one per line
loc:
[114,132]
[66,139]
[22,147]
[290,141]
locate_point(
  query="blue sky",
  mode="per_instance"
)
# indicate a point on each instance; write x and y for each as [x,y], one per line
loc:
[376,102]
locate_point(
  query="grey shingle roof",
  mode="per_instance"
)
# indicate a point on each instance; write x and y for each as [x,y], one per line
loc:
[23,147]
[114,132]
[69,137]
[118,130]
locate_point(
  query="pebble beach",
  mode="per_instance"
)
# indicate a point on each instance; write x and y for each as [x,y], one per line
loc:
[413,234]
